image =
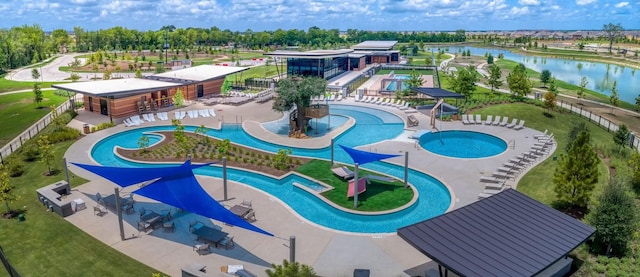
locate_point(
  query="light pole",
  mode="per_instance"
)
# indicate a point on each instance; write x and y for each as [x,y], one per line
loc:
[166,45]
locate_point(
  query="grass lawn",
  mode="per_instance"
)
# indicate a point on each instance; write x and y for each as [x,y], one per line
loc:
[8,85]
[403,71]
[47,245]
[19,112]
[380,196]
[262,71]
[538,183]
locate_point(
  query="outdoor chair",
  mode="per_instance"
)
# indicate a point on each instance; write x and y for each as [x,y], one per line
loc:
[227,242]
[489,120]
[478,119]
[143,226]
[166,215]
[99,210]
[142,211]
[246,203]
[201,249]
[504,121]
[169,227]
[544,135]
[251,215]
[496,121]
[513,123]
[520,125]
[128,208]
[465,120]
[470,119]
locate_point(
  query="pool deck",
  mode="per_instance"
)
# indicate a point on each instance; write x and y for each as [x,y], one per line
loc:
[329,252]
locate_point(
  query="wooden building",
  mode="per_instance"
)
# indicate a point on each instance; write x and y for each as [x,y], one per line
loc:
[125,97]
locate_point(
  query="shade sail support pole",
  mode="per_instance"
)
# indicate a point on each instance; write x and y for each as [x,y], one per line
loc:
[355,186]
[406,169]
[116,192]
[292,249]
[224,177]
[332,144]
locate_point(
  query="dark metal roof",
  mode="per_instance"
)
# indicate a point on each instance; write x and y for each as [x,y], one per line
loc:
[437,92]
[508,234]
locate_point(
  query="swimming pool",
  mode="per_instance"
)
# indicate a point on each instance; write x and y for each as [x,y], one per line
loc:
[393,86]
[323,126]
[463,144]
[434,198]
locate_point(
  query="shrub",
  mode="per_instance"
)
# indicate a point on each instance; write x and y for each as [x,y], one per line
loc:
[104,125]
[63,134]
[30,152]
[14,166]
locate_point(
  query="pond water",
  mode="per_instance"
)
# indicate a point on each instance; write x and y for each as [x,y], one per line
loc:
[600,75]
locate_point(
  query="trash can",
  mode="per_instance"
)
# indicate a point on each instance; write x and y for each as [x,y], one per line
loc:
[86,129]
[21,217]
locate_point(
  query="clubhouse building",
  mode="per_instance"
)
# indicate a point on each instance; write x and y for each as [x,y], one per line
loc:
[119,98]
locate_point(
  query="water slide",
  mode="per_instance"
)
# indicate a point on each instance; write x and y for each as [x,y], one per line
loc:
[433,112]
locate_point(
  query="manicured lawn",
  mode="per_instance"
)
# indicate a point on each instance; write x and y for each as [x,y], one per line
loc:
[262,71]
[47,245]
[380,196]
[18,112]
[9,85]
[538,183]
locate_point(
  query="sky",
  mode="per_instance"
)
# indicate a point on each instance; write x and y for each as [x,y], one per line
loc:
[269,15]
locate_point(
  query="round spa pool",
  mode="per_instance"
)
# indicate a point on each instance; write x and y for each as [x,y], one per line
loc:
[463,144]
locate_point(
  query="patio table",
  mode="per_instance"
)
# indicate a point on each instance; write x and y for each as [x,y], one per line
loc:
[210,234]
[240,210]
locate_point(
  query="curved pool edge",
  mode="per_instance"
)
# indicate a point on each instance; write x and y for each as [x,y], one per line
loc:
[256,130]
[506,148]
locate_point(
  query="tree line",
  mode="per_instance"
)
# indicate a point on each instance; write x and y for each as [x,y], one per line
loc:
[24,45]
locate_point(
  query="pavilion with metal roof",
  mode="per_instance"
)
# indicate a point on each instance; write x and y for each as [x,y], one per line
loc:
[508,234]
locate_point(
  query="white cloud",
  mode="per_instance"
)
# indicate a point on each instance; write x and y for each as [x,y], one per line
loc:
[622,4]
[515,11]
[584,2]
[529,2]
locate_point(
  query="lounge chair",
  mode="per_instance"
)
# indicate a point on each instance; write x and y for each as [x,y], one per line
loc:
[513,123]
[227,242]
[520,125]
[465,120]
[380,178]
[143,226]
[496,121]
[541,136]
[489,120]
[343,172]
[362,187]
[504,122]
[412,121]
[487,179]
[251,215]
[99,210]
[201,248]
[478,119]
[212,112]
[471,120]
[246,203]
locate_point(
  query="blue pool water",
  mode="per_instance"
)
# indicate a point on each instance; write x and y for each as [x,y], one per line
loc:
[320,127]
[463,144]
[393,86]
[371,126]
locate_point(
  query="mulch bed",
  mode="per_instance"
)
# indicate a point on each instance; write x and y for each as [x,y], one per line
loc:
[238,156]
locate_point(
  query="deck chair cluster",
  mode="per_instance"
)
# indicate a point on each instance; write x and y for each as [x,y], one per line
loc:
[468,119]
[516,165]
[386,101]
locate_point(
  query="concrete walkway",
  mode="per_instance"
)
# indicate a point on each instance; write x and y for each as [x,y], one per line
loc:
[330,252]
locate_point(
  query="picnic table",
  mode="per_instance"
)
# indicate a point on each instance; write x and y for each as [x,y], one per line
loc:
[240,210]
[152,218]
[210,234]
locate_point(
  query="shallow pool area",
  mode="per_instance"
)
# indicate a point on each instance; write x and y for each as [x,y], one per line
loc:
[318,127]
[462,144]
[371,126]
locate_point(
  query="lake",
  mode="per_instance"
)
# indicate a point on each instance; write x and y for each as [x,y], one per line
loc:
[600,75]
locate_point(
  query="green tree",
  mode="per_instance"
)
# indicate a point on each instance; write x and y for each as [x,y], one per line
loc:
[549,100]
[518,81]
[178,99]
[575,130]
[614,98]
[297,91]
[612,32]
[415,79]
[46,153]
[288,269]
[282,160]
[224,146]
[159,67]
[74,77]
[37,91]
[6,189]
[552,86]
[495,74]
[463,81]
[202,132]
[638,103]
[143,143]
[615,219]
[490,59]
[180,138]
[583,88]
[577,172]
[621,136]
[545,76]
[138,73]
[226,86]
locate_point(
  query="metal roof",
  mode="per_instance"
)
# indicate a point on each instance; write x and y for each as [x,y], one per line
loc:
[375,44]
[508,234]
[115,87]
[314,54]
[437,92]
[201,73]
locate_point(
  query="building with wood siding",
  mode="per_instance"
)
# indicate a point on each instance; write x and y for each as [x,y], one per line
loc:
[125,97]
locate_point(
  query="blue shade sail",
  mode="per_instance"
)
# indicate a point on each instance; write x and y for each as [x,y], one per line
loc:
[175,186]
[363,157]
